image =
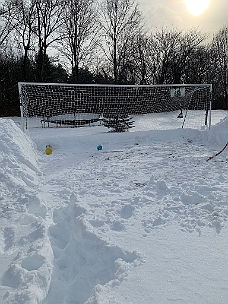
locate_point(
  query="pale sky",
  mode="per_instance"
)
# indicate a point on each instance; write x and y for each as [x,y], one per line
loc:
[174,13]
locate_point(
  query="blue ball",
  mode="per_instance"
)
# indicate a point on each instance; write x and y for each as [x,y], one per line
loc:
[99,147]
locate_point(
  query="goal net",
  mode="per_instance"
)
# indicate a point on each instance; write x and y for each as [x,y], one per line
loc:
[56,104]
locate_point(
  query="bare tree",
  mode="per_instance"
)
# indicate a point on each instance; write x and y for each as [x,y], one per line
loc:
[198,66]
[48,21]
[219,49]
[24,20]
[186,51]
[79,31]
[120,22]
[170,50]
[141,48]
[6,24]
[163,47]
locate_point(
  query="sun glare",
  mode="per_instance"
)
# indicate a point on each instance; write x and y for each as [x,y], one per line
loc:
[197,7]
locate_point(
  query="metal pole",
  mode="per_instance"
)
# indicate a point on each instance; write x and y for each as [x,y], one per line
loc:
[21,108]
[209,124]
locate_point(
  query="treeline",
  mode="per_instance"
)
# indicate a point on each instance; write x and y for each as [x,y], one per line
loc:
[102,41]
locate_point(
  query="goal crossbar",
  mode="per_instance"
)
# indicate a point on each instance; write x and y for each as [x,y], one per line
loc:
[114,85]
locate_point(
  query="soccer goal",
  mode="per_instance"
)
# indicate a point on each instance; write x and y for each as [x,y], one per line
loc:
[75,105]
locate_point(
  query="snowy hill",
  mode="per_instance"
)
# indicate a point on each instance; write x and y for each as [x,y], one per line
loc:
[144,220]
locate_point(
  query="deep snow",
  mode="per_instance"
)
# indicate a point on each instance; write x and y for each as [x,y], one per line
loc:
[144,220]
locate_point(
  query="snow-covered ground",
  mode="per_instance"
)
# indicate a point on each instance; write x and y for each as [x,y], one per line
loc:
[143,221]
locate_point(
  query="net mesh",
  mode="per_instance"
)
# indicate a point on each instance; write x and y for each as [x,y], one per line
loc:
[63,103]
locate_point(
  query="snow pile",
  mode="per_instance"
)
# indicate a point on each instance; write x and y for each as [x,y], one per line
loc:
[25,250]
[18,158]
[82,260]
[218,134]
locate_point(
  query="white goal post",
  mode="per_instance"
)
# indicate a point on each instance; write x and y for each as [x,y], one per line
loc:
[79,104]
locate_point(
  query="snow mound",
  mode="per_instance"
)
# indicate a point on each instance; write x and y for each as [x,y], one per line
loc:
[17,143]
[82,261]
[24,243]
[19,161]
[218,133]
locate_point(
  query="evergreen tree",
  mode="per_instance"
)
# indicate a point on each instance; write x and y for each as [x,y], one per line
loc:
[118,123]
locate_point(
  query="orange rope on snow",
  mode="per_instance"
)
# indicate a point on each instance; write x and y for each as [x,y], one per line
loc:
[226,145]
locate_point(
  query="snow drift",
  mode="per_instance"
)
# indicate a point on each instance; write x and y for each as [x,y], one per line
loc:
[25,249]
